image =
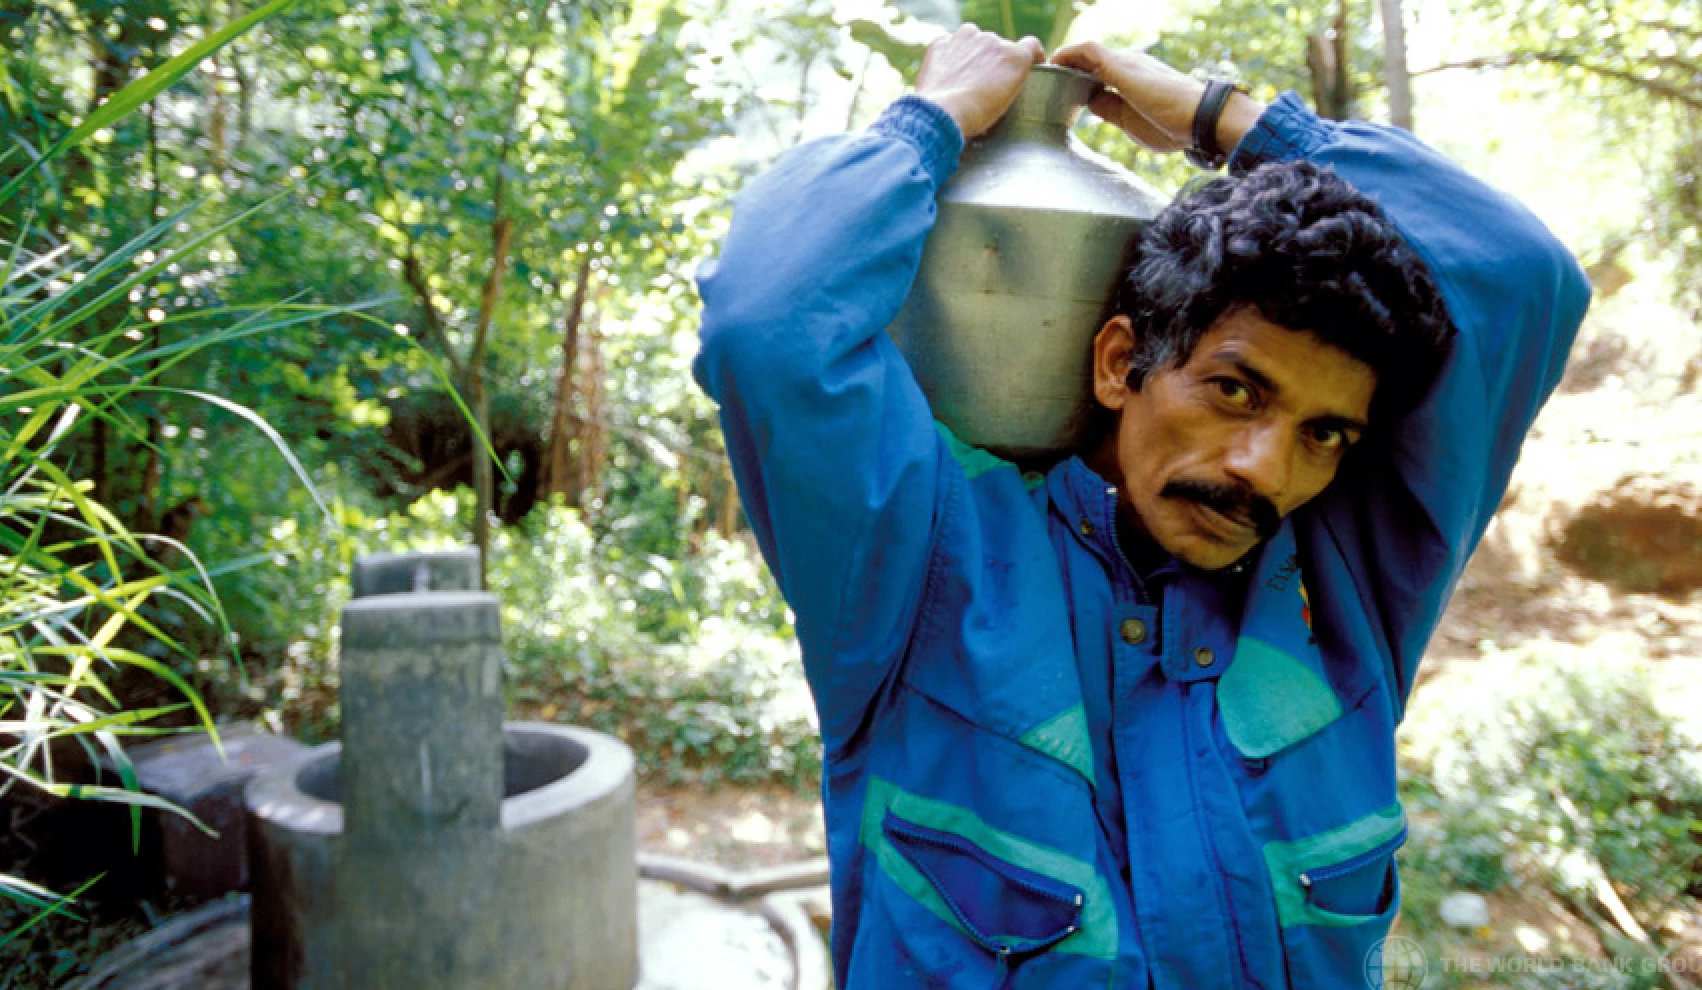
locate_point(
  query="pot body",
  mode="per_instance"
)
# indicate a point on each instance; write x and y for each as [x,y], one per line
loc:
[1023,258]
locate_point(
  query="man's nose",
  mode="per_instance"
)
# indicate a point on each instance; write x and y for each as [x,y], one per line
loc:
[1262,459]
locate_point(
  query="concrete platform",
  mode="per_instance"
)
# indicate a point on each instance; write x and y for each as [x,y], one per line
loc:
[687,941]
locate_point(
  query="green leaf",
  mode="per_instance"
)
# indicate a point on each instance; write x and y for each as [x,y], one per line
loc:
[946,13]
[146,88]
[33,895]
[278,442]
[904,56]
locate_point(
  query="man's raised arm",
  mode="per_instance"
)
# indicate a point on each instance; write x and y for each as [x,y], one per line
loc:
[1404,519]
[833,446]
[1409,520]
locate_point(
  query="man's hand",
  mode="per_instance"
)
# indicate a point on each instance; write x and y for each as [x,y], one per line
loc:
[1153,103]
[974,75]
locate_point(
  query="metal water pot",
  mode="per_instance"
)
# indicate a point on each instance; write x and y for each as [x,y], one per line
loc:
[1015,276]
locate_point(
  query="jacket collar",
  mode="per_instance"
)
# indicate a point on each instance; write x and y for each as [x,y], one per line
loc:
[1088,503]
[1080,494]
[1276,691]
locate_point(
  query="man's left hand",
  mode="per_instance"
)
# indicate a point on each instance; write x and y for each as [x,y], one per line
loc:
[1153,103]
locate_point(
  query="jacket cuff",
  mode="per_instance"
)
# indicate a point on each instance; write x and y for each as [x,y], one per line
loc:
[925,126]
[1286,130]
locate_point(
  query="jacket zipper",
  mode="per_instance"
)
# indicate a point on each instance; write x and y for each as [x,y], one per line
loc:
[1322,873]
[1001,949]
[1117,545]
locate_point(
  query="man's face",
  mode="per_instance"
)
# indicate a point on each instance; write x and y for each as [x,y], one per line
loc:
[1209,456]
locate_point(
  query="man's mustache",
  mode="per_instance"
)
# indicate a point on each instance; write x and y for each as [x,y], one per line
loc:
[1235,501]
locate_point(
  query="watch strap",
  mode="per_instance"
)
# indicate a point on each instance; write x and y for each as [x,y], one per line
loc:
[1206,153]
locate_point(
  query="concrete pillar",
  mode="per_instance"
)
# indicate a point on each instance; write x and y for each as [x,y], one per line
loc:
[435,848]
[422,789]
[425,570]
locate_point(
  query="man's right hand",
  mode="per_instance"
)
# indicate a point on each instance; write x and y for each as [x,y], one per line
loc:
[974,75]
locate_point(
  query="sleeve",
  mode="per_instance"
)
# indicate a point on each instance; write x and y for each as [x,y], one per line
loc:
[832,442]
[1407,517]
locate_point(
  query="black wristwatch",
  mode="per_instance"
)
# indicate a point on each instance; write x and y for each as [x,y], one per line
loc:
[1205,153]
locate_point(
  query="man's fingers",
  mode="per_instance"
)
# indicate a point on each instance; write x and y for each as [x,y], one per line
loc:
[974,75]
[1087,56]
[1109,107]
[1113,109]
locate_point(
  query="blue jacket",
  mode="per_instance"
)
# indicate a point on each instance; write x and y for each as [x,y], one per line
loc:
[1040,769]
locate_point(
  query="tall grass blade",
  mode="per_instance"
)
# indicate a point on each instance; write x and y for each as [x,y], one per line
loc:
[145,89]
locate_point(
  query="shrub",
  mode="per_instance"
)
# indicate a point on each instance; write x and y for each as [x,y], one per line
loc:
[690,660]
[1554,763]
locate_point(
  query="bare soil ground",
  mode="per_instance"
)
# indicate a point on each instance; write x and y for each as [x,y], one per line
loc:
[734,827]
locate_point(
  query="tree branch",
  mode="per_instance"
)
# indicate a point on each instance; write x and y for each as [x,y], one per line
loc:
[553,477]
[414,274]
[1682,64]
[413,271]
[1687,30]
[1658,87]
[501,228]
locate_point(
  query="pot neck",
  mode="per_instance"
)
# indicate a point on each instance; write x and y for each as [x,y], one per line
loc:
[1047,106]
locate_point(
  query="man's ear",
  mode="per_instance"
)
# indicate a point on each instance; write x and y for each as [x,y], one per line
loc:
[1113,355]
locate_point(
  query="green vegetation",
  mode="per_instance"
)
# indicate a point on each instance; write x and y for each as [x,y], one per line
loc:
[1549,772]
[688,658]
[444,249]
[79,585]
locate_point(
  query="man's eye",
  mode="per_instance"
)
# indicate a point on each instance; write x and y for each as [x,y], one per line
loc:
[1235,391]
[1330,437]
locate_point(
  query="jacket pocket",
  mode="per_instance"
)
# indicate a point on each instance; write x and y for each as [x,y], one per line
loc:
[1323,879]
[1337,893]
[1005,909]
[1357,887]
[951,900]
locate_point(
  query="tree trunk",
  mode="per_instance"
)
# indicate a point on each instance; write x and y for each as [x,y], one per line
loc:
[728,522]
[110,73]
[244,103]
[97,470]
[147,506]
[484,488]
[857,89]
[1395,73]
[593,436]
[1327,59]
[555,476]
[586,466]
[1344,82]
[805,64]
[1061,21]
[216,120]
[109,77]
[1320,64]
[483,483]
[152,469]
[484,494]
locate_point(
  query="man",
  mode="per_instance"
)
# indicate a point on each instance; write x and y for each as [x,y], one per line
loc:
[1131,724]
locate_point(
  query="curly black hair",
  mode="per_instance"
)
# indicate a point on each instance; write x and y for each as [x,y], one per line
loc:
[1306,249]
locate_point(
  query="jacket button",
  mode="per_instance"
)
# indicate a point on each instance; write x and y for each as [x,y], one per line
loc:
[1134,631]
[1086,528]
[1203,656]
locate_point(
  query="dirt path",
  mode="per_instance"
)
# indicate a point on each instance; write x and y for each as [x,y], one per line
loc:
[733,827]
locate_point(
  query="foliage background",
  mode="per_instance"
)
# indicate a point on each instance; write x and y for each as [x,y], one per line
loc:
[501,205]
